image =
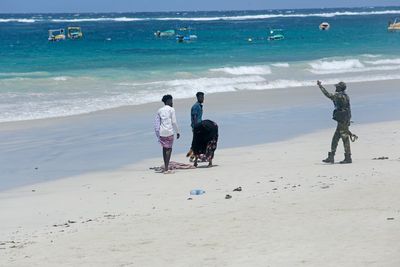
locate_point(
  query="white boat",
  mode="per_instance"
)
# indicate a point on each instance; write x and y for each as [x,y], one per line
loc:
[275,35]
[394,26]
[324,26]
[168,33]
[56,35]
[74,32]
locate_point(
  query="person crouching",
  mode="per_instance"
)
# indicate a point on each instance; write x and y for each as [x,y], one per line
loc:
[205,139]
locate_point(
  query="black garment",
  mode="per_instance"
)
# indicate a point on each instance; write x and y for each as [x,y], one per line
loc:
[204,133]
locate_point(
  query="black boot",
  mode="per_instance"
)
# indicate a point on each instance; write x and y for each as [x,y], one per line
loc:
[330,158]
[347,159]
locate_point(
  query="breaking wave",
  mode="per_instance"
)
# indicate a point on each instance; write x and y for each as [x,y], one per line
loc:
[281,65]
[245,70]
[121,19]
[352,65]
[18,20]
[34,95]
[285,14]
[336,66]
[395,61]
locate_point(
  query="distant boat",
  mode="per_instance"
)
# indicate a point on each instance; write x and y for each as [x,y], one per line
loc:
[185,29]
[186,38]
[324,26]
[275,35]
[168,33]
[56,35]
[185,35]
[394,26]
[74,32]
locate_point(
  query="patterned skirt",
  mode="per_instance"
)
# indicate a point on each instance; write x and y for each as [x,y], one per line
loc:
[167,141]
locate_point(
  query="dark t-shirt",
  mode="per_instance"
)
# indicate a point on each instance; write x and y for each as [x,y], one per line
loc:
[196,114]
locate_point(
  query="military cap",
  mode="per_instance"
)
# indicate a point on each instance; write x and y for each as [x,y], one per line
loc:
[341,85]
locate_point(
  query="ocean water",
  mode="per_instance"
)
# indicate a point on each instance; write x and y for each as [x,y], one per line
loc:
[120,62]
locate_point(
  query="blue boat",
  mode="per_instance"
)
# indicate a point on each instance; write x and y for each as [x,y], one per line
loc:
[184,35]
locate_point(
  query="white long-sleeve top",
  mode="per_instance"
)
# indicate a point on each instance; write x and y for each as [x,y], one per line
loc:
[165,122]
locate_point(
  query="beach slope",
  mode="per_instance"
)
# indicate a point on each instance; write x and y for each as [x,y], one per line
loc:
[292,210]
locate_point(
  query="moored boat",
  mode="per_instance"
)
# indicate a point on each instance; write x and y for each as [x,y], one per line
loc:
[394,26]
[56,35]
[324,26]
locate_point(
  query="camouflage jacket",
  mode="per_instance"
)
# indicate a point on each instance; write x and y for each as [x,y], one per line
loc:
[340,99]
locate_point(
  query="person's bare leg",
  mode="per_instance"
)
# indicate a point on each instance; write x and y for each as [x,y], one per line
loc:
[167,156]
[164,150]
[195,160]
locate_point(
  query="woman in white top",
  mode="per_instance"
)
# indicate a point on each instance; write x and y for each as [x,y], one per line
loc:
[165,127]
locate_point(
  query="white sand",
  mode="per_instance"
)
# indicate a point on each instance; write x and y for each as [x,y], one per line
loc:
[293,210]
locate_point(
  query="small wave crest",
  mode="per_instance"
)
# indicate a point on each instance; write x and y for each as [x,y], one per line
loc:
[286,15]
[60,78]
[281,65]
[245,70]
[18,20]
[120,19]
[324,66]
[371,55]
[335,66]
[16,75]
[395,61]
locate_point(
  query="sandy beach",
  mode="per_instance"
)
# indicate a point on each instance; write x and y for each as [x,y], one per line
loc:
[292,210]
[81,180]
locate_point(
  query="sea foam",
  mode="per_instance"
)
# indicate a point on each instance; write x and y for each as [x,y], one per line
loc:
[24,20]
[60,103]
[395,61]
[120,19]
[245,70]
[281,65]
[336,66]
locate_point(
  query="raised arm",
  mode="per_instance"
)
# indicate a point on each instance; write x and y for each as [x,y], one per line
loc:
[324,91]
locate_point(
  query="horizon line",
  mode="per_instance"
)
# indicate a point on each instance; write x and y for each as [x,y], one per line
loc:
[180,11]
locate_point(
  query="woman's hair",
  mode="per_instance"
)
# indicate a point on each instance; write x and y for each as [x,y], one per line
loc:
[166,98]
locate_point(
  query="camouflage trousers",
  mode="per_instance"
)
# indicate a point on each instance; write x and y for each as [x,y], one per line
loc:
[342,132]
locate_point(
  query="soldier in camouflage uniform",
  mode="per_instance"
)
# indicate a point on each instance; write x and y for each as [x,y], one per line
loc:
[342,114]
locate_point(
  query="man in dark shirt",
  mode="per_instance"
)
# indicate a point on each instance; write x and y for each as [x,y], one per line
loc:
[196,113]
[341,114]
[196,117]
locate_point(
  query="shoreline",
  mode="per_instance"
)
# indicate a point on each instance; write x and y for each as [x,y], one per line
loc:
[216,99]
[51,149]
[292,210]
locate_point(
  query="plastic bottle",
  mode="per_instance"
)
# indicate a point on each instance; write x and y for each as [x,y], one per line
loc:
[197,192]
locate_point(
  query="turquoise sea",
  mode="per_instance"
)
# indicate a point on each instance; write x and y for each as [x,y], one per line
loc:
[120,62]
